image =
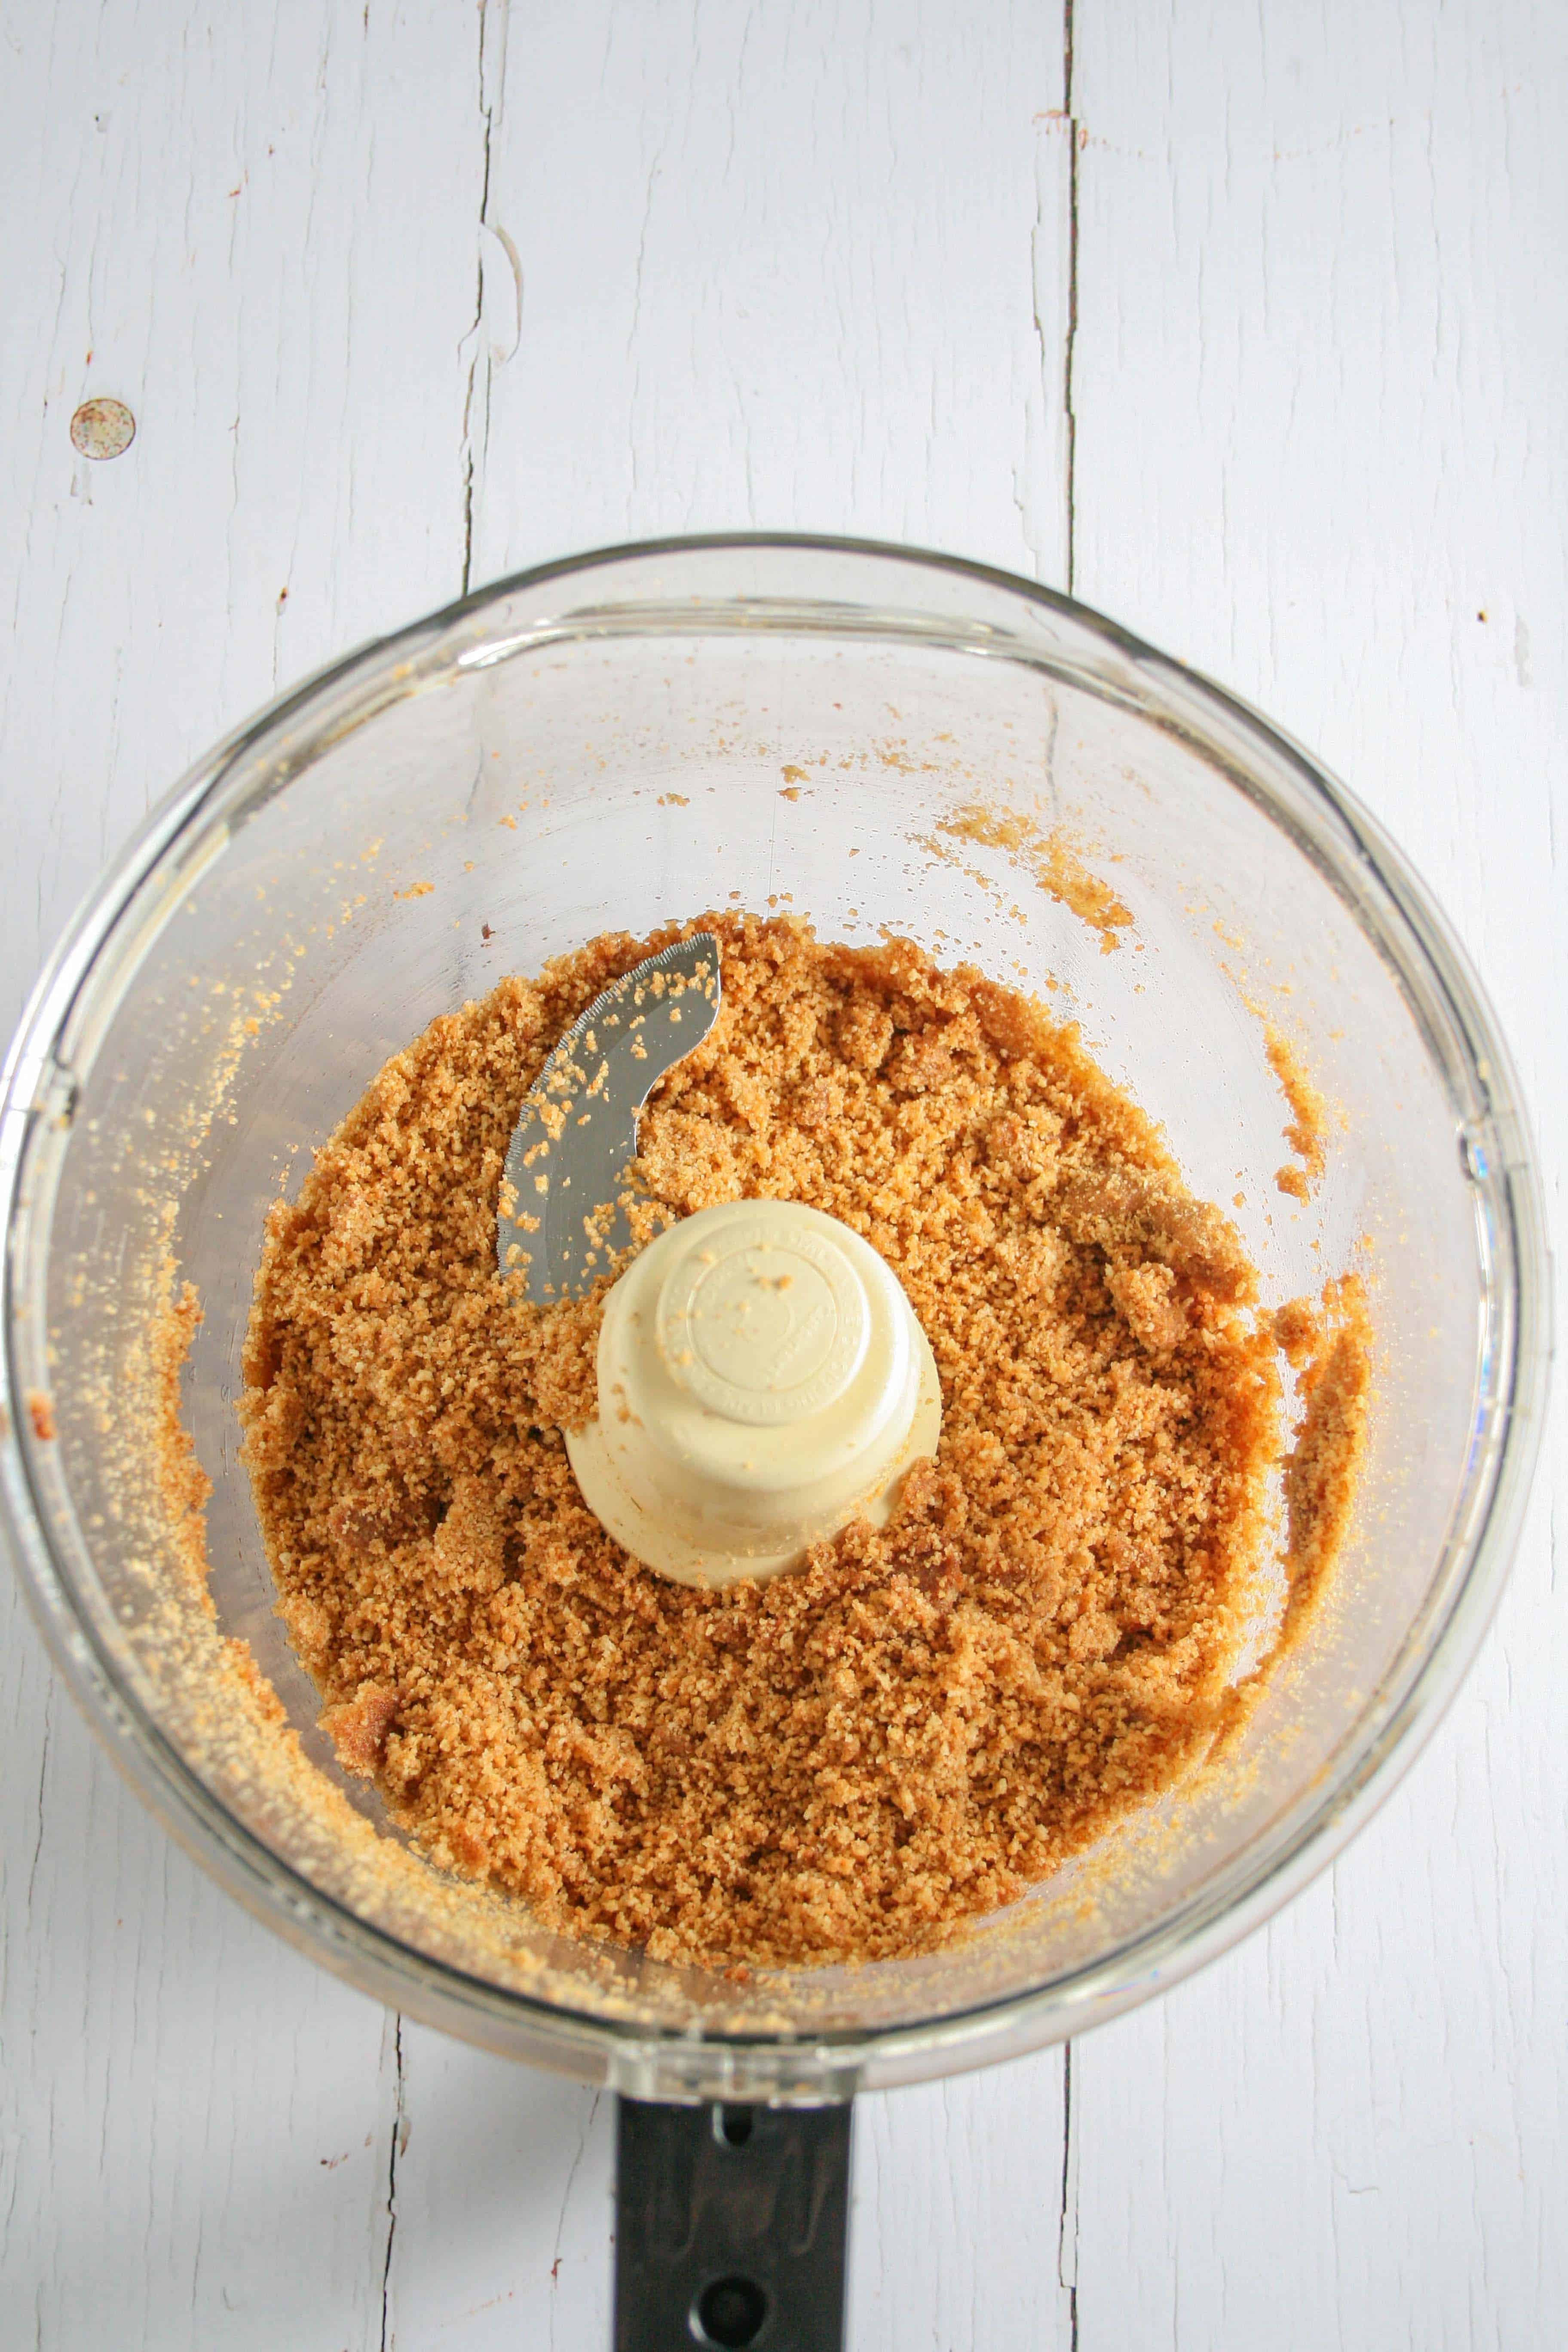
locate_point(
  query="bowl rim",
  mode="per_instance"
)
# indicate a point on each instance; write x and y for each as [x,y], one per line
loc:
[1353,848]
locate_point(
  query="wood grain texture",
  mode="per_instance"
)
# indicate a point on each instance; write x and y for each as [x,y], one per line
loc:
[233,230]
[795,268]
[405,296]
[1323,333]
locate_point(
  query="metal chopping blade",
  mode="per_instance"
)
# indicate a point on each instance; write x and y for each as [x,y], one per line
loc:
[561,1218]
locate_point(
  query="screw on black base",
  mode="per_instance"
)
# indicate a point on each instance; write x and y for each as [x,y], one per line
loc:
[730,2225]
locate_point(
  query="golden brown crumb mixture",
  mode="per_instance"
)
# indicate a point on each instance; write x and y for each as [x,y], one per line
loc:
[1307,1123]
[182,1484]
[1330,1346]
[1052,862]
[850,1760]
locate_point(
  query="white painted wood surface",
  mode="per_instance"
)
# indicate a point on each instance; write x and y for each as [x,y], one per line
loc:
[1254,321]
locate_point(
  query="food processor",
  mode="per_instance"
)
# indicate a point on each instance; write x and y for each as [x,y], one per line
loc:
[621,741]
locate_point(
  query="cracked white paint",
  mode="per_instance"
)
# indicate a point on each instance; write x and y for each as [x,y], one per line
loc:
[400,295]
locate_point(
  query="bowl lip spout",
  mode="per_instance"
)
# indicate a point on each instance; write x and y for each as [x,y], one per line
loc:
[764,581]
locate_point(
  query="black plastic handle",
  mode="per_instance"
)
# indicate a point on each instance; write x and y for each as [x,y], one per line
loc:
[730,2225]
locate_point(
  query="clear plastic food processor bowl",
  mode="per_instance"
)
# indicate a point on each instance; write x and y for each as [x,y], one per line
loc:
[644,735]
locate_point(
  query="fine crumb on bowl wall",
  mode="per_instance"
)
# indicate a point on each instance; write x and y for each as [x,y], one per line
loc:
[1055,861]
[1307,1128]
[182,1484]
[1052,861]
[902,1737]
[1330,1346]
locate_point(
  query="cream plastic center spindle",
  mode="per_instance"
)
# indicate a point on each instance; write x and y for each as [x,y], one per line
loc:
[762,1381]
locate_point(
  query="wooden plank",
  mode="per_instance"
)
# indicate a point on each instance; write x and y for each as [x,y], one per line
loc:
[798,268]
[804,268]
[504,2206]
[258,231]
[1322,332]
[960,2234]
[357,330]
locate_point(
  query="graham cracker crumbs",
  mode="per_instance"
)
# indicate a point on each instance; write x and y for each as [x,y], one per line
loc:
[1330,1345]
[1052,861]
[182,1484]
[41,1413]
[1307,1123]
[850,1761]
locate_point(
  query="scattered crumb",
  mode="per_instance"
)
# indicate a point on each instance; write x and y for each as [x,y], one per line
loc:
[1053,862]
[1307,1123]
[184,1485]
[415,890]
[41,1413]
[1330,1346]
[358,1728]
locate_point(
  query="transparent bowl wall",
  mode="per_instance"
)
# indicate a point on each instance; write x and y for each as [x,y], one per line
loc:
[602,745]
